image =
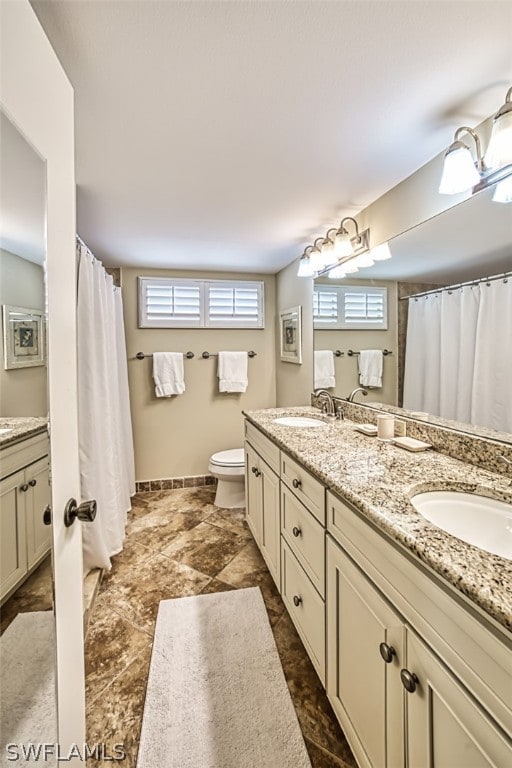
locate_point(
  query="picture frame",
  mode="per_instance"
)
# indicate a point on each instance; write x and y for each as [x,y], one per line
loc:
[290,333]
[23,335]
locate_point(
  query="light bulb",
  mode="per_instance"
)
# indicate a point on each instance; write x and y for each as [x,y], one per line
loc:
[499,151]
[459,172]
[337,273]
[329,256]
[381,252]
[305,267]
[503,191]
[342,245]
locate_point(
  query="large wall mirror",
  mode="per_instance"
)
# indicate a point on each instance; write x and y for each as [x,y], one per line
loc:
[27,615]
[470,241]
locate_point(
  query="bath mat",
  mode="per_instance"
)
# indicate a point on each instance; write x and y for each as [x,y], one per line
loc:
[28,709]
[216,695]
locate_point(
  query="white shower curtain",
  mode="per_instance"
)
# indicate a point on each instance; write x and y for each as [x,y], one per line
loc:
[458,361]
[105,434]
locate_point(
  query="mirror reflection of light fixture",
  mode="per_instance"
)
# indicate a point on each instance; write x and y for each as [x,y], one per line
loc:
[459,171]
[499,151]
[503,191]
[364,260]
[337,272]
[305,266]
[381,252]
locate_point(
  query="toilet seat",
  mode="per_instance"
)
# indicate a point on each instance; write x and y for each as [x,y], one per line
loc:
[231,458]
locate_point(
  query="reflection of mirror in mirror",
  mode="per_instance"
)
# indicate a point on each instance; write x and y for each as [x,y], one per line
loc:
[469,241]
[26,570]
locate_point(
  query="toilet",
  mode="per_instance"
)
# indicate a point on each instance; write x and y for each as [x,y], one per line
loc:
[229,468]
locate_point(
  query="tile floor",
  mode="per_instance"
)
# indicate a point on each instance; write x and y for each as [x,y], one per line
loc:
[178,543]
[35,594]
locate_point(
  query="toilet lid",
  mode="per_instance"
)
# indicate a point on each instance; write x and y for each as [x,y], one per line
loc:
[232,458]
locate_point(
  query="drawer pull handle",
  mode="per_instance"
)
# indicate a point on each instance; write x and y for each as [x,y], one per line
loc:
[297,600]
[24,487]
[409,680]
[296,483]
[296,531]
[387,652]
[32,482]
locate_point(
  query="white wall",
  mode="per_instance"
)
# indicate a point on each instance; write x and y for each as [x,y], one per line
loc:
[23,391]
[175,437]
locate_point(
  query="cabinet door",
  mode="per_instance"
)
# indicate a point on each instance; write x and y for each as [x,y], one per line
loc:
[253,493]
[270,521]
[445,726]
[37,498]
[364,689]
[13,539]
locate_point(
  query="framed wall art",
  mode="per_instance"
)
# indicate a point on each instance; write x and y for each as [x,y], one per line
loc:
[23,337]
[290,335]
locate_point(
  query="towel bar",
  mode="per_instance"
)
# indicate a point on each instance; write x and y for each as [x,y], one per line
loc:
[142,355]
[206,355]
[350,353]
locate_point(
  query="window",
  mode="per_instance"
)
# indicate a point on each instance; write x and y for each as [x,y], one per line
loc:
[187,303]
[356,307]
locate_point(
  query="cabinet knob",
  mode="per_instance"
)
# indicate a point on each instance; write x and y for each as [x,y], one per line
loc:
[257,473]
[24,487]
[86,512]
[297,600]
[409,680]
[254,470]
[296,483]
[387,652]
[47,515]
[32,482]
[296,531]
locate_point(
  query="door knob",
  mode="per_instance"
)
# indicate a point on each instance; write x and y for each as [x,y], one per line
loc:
[387,652]
[296,483]
[47,515]
[86,512]
[409,680]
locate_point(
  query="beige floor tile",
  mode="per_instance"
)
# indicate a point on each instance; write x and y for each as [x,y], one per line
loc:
[206,547]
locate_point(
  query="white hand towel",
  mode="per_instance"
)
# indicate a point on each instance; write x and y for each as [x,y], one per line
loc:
[324,369]
[232,372]
[370,367]
[168,373]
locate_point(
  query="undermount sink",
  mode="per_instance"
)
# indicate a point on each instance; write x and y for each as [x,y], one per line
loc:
[299,421]
[478,520]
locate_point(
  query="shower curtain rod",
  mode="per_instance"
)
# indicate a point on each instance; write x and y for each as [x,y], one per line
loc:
[502,276]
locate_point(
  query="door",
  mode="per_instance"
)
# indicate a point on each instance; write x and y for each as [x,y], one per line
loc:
[270,530]
[364,652]
[253,493]
[38,99]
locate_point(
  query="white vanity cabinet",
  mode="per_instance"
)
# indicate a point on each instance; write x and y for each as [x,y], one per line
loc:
[398,672]
[262,497]
[24,495]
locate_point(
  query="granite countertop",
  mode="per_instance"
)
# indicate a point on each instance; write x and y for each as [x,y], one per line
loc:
[20,428]
[379,479]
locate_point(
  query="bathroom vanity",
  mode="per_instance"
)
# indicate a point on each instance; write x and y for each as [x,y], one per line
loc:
[24,495]
[408,628]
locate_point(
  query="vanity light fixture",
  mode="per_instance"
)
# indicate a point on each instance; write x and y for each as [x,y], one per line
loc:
[459,171]
[316,257]
[305,265]
[499,151]
[329,251]
[343,243]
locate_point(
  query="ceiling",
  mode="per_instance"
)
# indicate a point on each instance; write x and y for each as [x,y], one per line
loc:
[226,135]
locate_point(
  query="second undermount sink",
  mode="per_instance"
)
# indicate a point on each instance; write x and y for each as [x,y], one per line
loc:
[299,421]
[477,520]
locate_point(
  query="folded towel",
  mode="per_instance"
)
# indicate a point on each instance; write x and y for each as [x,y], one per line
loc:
[168,373]
[370,367]
[232,372]
[324,369]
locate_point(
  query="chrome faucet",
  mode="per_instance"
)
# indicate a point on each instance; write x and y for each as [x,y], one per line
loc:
[350,398]
[328,406]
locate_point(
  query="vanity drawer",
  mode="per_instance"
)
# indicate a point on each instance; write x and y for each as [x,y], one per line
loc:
[305,537]
[305,606]
[268,451]
[19,455]
[304,486]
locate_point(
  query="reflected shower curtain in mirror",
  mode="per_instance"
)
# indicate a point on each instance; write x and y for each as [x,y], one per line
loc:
[458,361]
[105,433]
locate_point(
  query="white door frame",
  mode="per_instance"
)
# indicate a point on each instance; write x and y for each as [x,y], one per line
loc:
[38,98]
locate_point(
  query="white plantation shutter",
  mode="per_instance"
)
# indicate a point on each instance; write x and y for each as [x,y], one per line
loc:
[325,307]
[234,304]
[363,307]
[185,303]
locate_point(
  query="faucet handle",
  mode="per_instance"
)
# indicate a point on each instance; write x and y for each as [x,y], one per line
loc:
[338,410]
